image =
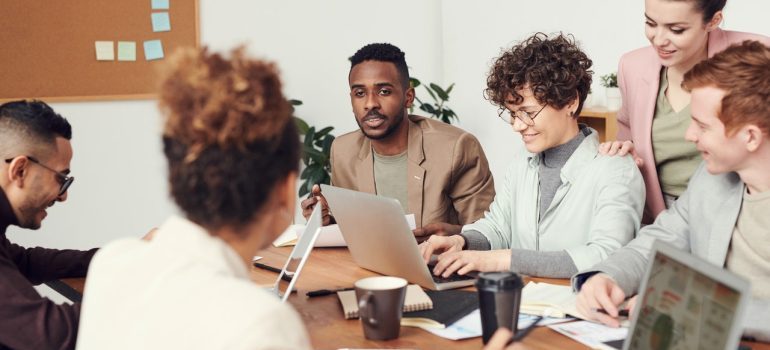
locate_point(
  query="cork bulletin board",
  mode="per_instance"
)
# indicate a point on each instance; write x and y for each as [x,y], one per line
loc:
[49,49]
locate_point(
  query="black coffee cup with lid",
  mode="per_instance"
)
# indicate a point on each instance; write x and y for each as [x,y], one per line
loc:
[499,301]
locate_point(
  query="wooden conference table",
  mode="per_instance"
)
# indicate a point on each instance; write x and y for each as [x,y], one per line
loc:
[329,268]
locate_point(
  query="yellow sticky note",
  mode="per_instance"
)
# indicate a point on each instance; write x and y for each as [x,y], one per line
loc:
[126,51]
[105,50]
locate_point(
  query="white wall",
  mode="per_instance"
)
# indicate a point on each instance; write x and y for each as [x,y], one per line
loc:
[121,188]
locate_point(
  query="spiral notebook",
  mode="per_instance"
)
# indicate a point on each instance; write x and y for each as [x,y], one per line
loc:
[415,300]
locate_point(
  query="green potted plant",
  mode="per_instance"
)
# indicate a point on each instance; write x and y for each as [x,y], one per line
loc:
[435,109]
[316,151]
[610,83]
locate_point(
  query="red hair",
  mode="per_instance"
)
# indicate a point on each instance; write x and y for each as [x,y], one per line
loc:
[743,72]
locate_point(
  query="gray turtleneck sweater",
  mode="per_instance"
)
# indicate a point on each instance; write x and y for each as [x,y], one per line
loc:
[556,264]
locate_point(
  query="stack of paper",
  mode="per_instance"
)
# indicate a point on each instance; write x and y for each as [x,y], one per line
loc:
[415,300]
[470,325]
[595,335]
[545,299]
[330,236]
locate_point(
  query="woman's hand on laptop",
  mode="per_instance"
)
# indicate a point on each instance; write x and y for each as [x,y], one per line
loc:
[440,244]
[599,299]
[466,261]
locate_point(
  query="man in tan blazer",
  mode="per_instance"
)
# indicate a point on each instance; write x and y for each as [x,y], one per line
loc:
[438,172]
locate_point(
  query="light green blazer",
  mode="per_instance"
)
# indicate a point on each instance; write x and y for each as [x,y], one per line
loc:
[595,211]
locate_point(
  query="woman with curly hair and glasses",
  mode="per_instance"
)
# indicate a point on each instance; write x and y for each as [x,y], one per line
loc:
[233,153]
[562,207]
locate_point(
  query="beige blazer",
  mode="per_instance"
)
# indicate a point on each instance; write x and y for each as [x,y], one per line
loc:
[448,177]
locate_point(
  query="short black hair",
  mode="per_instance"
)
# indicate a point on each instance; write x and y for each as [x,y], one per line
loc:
[383,52]
[35,118]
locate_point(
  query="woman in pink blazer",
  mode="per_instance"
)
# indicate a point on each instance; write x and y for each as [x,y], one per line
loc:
[682,33]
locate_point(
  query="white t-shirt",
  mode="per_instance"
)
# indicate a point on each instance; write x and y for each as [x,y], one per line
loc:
[183,290]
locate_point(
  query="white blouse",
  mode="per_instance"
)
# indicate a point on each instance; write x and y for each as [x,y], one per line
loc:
[185,289]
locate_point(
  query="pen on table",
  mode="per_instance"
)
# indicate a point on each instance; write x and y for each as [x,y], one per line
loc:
[621,313]
[272,269]
[523,333]
[322,292]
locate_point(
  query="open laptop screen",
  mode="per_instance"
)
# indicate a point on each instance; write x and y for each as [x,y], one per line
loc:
[683,308]
[293,266]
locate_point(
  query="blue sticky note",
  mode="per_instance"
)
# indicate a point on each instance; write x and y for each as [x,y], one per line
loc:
[160,4]
[153,50]
[160,22]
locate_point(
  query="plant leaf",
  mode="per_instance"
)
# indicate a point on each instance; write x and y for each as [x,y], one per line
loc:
[316,155]
[309,170]
[321,133]
[309,137]
[327,145]
[294,102]
[449,89]
[439,91]
[301,125]
[431,93]
[428,108]
[414,82]
[326,180]
[303,189]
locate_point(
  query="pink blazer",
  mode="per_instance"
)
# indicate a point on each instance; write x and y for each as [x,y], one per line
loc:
[639,81]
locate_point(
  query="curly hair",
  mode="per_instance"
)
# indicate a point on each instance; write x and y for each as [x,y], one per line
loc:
[228,135]
[742,72]
[383,52]
[555,69]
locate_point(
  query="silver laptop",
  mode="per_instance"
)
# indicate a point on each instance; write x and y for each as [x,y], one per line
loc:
[686,303]
[293,266]
[380,240]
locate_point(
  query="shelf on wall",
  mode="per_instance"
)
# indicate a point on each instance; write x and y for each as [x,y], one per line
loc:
[602,120]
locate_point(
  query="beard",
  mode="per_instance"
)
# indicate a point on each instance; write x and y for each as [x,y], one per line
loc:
[28,216]
[32,208]
[397,120]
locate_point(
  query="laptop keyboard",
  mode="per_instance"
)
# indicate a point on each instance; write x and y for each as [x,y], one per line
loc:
[452,278]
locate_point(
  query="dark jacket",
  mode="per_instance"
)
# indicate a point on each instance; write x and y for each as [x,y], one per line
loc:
[27,320]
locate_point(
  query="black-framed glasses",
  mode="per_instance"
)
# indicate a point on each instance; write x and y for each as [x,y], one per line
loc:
[64,179]
[525,117]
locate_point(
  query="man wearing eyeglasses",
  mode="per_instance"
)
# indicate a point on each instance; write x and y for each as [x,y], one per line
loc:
[34,175]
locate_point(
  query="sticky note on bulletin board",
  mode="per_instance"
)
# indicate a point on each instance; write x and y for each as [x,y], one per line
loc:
[49,47]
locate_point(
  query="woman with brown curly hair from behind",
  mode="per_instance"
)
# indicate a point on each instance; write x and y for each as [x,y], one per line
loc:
[232,152]
[562,207]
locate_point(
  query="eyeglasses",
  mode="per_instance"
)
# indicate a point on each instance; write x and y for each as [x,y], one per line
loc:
[64,179]
[525,117]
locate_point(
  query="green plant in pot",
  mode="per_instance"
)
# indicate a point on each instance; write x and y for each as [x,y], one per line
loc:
[435,109]
[316,152]
[610,83]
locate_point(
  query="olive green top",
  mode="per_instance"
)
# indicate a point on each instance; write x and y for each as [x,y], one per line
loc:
[675,158]
[390,175]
